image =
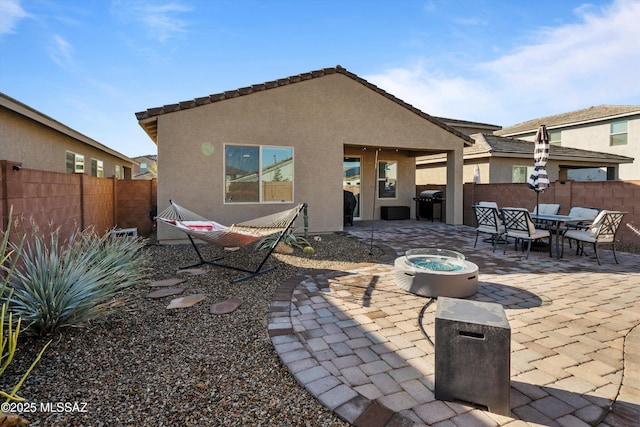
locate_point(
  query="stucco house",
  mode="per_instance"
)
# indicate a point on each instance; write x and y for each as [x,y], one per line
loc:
[496,159]
[146,167]
[613,129]
[249,152]
[36,141]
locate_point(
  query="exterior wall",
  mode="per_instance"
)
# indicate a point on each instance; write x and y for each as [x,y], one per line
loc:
[321,118]
[37,146]
[595,137]
[73,201]
[499,170]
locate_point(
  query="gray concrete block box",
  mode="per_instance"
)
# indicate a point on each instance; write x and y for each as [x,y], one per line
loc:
[473,354]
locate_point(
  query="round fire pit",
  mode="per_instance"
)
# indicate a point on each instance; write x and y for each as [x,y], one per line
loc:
[432,272]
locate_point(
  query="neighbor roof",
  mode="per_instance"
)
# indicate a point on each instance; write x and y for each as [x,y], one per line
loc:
[499,146]
[148,118]
[572,118]
[32,114]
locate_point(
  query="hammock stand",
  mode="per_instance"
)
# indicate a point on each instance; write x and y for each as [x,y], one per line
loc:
[237,235]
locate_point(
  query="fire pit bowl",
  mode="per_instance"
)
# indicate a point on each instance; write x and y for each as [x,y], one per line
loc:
[433,272]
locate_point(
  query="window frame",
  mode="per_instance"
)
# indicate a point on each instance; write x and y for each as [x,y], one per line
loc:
[614,135]
[557,142]
[78,162]
[260,174]
[97,168]
[528,172]
[384,179]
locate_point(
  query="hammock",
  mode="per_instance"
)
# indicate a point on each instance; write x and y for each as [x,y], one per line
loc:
[234,236]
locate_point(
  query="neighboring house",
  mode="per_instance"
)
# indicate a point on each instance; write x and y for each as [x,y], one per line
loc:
[470,128]
[37,141]
[256,150]
[507,160]
[147,167]
[613,129]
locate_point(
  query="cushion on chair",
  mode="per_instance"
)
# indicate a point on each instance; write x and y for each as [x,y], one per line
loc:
[581,235]
[488,204]
[548,208]
[583,212]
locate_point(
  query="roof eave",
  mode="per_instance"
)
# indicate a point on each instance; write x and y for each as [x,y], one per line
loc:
[145,117]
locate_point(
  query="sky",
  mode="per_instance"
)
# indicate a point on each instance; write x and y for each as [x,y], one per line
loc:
[92,65]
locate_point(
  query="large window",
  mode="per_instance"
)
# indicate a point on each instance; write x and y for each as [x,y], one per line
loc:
[555,137]
[387,179]
[97,168]
[75,162]
[618,133]
[521,173]
[258,174]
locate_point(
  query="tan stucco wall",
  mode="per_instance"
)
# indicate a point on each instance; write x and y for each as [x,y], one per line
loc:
[498,171]
[595,137]
[39,147]
[319,117]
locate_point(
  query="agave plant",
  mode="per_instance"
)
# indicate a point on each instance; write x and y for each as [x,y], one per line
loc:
[64,284]
[290,238]
[9,330]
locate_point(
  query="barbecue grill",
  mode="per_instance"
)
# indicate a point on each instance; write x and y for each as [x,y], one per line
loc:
[425,204]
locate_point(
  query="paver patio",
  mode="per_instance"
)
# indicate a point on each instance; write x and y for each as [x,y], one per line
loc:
[364,347]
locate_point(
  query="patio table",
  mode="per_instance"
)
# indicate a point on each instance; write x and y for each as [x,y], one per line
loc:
[557,221]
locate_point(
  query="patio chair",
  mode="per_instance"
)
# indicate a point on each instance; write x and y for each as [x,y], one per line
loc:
[518,224]
[488,221]
[603,230]
[545,209]
[578,212]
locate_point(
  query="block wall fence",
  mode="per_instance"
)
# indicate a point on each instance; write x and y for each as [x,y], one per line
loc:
[611,195]
[73,201]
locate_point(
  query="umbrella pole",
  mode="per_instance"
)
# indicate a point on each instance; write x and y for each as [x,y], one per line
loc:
[537,202]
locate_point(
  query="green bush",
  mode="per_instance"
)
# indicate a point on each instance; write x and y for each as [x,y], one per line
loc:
[65,284]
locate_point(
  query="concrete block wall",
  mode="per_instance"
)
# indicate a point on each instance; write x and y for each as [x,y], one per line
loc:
[72,201]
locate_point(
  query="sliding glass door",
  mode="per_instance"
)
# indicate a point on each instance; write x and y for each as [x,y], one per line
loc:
[351,180]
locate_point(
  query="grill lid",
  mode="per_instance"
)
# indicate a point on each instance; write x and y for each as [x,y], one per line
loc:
[431,194]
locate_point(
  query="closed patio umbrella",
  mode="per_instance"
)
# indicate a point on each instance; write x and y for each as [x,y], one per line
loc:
[476,174]
[539,180]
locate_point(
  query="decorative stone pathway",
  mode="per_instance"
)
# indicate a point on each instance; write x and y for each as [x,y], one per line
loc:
[360,344]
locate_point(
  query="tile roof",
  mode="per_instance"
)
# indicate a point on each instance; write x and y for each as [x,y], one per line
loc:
[501,146]
[169,108]
[488,143]
[591,114]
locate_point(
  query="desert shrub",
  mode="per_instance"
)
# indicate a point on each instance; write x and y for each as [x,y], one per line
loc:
[290,238]
[9,326]
[61,284]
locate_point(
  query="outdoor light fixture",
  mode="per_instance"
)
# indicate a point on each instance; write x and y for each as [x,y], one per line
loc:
[16,168]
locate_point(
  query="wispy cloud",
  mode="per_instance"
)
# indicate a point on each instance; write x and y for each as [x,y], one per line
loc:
[595,61]
[61,52]
[160,19]
[11,14]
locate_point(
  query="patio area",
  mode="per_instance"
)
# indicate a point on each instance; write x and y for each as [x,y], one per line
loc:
[364,347]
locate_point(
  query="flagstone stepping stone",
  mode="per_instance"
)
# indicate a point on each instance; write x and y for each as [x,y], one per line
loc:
[184,302]
[192,271]
[167,282]
[226,306]
[165,292]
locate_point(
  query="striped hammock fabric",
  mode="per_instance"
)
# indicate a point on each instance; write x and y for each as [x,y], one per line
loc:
[236,235]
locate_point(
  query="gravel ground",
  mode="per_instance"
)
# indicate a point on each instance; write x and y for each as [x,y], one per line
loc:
[149,366]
